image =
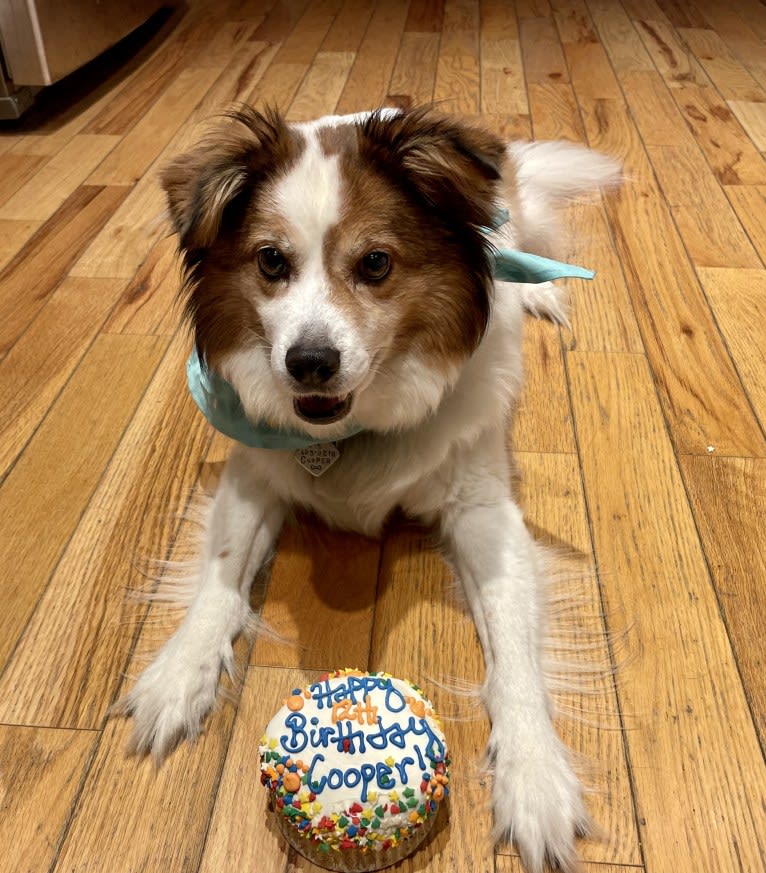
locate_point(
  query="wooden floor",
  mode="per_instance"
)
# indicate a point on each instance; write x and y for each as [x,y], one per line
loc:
[640,444]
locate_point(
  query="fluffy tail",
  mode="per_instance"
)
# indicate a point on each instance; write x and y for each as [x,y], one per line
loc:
[542,174]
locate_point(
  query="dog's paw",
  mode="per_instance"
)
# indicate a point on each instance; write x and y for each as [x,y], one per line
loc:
[173,695]
[538,803]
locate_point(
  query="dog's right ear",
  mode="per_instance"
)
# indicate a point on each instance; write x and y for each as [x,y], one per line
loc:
[201,184]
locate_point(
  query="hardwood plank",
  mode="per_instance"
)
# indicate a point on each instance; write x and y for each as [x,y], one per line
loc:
[554,111]
[169,807]
[728,75]
[654,110]
[681,13]
[738,299]
[67,666]
[368,83]
[590,70]
[620,39]
[457,72]
[320,599]
[278,86]
[506,864]
[601,311]
[348,29]
[53,481]
[752,116]
[503,87]
[414,74]
[706,222]
[550,491]
[308,33]
[738,35]
[36,369]
[41,774]
[700,391]
[320,91]
[42,195]
[149,303]
[729,150]
[697,769]
[460,16]
[728,497]
[543,419]
[541,49]
[48,256]
[497,20]
[13,235]
[415,603]
[425,16]
[15,172]
[280,20]
[533,8]
[749,202]
[127,235]
[129,161]
[253,834]
[671,56]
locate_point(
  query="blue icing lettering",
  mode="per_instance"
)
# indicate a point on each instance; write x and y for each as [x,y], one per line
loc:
[400,765]
[383,776]
[298,739]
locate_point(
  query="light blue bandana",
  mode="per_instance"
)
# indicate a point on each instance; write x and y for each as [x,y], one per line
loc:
[220,403]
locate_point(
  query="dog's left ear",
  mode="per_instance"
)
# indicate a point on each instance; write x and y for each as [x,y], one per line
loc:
[454,167]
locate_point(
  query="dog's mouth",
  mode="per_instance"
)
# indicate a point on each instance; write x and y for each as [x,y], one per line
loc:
[320,409]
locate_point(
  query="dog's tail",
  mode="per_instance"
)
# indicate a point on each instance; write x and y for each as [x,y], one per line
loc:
[544,174]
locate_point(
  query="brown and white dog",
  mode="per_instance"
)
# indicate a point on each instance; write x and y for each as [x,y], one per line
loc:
[340,279]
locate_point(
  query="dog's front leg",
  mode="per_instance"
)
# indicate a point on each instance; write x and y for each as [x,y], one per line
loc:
[174,694]
[537,799]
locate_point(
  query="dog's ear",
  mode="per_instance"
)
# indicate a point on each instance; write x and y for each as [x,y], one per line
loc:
[201,184]
[454,167]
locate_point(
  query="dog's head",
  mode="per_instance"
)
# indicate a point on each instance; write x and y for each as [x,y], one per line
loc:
[337,271]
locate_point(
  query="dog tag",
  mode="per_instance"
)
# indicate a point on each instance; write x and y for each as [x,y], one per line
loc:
[319,458]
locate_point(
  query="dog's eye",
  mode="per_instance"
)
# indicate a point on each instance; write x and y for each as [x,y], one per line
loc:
[272,262]
[374,266]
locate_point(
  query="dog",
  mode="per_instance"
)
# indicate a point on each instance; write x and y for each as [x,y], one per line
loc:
[352,330]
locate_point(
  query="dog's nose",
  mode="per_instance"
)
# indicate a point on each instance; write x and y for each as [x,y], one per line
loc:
[312,366]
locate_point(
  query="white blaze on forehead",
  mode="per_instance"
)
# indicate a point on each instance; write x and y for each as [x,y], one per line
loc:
[309,198]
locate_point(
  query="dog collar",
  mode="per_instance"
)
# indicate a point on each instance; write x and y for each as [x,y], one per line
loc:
[220,404]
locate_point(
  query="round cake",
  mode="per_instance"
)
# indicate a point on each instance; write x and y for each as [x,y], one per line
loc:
[357,768]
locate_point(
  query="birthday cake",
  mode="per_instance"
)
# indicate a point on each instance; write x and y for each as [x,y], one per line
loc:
[357,768]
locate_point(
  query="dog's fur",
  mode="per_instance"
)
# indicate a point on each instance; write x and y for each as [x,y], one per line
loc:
[430,365]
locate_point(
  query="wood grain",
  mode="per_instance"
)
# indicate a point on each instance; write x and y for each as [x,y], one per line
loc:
[48,255]
[543,419]
[15,171]
[421,631]
[550,491]
[368,83]
[77,649]
[690,725]
[32,760]
[348,29]
[701,393]
[738,300]
[728,75]
[728,497]
[36,369]
[320,600]
[39,198]
[749,202]
[414,75]
[319,92]
[64,462]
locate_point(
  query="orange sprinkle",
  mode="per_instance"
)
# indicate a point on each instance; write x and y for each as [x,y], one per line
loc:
[294,702]
[280,768]
[413,816]
[438,793]
[291,782]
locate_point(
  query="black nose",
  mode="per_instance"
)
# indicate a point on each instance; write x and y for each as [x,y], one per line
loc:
[312,366]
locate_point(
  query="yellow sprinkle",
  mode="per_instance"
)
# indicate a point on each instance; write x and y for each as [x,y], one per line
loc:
[317,807]
[306,807]
[390,761]
[273,743]
[372,796]
[393,796]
